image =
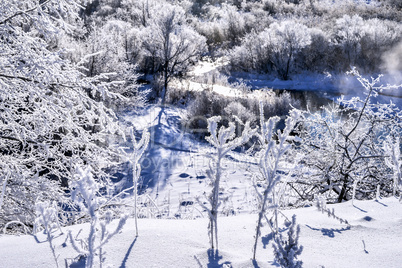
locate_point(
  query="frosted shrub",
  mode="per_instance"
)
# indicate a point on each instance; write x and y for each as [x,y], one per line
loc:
[85,194]
[224,25]
[237,109]
[287,252]
[270,160]
[349,31]
[345,144]
[379,37]
[395,3]
[233,23]
[316,56]
[246,107]
[134,158]
[105,54]
[287,39]
[275,48]
[224,140]
[252,55]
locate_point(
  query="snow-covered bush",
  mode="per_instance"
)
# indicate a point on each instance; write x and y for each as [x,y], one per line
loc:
[287,252]
[85,194]
[252,55]
[208,103]
[237,109]
[214,34]
[109,53]
[395,3]
[379,36]
[224,140]
[321,36]
[226,24]
[317,56]
[233,23]
[363,42]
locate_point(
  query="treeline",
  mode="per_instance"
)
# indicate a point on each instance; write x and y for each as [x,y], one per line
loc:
[259,36]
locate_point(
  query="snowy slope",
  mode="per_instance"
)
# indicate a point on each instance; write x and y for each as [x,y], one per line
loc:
[372,240]
[174,168]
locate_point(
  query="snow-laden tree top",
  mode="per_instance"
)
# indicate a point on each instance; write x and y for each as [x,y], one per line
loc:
[48,122]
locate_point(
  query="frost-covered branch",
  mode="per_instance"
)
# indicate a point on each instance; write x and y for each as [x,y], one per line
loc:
[394,162]
[52,116]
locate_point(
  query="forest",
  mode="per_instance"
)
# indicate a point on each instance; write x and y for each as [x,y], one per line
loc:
[118,114]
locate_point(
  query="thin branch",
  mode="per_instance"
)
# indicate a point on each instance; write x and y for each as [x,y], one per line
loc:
[26,79]
[22,12]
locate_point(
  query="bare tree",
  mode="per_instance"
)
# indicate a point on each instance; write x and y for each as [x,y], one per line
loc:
[171,44]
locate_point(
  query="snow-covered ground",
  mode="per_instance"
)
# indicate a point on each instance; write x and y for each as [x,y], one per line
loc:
[174,168]
[371,240]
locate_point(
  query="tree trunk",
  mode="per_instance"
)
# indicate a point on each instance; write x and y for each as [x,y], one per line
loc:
[286,75]
[342,195]
[164,90]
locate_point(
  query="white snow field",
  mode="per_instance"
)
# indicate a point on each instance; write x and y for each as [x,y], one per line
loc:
[371,240]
